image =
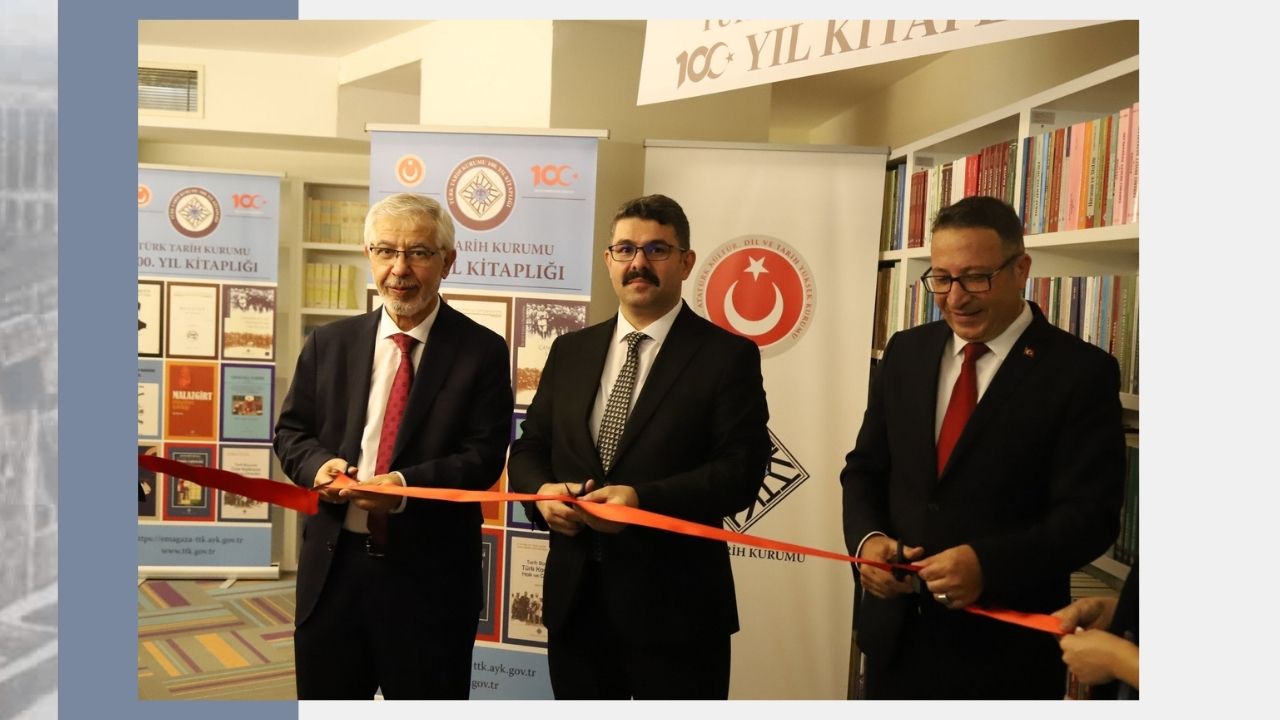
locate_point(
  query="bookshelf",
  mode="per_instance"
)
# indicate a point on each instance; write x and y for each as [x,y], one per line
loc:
[1022,153]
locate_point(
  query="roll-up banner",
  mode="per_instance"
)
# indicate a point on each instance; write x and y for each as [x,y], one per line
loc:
[523,208]
[787,245]
[208,242]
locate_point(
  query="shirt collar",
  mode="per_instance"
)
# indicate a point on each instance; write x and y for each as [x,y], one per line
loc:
[656,330]
[387,327]
[1002,344]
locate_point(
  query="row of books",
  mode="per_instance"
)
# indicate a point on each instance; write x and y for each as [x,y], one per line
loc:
[1099,309]
[333,285]
[990,171]
[336,221]
[1126,547]
[1082,176]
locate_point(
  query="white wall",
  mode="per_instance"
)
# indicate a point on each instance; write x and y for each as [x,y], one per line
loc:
[255,92]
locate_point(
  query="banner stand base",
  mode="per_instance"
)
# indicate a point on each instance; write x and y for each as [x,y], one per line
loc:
[213,572]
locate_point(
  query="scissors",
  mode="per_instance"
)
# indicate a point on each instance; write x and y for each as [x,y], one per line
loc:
[900,574]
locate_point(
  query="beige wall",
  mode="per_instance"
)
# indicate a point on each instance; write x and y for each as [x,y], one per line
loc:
[360,106]
[596,75]
[970,82]
[255,92]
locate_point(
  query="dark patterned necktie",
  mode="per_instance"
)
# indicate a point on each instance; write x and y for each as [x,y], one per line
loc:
[964,397]
[618,407]
[397,401]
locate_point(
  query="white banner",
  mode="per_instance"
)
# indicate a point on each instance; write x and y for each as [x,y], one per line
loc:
[688,58]
[787,244]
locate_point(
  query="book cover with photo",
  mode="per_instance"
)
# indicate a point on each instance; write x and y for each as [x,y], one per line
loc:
[190,400]
[150,318]
[248,322]
[252,462]
[537,324]
[184,500]
[526,563]
[491,311]
[148,487]
[247,401]
[490,563]
[150,399]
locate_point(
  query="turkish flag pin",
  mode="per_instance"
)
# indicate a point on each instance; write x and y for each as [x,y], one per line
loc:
[1029,352]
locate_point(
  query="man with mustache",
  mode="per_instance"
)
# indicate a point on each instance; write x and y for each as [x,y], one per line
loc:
[659,409]
[991,454]
[414,393]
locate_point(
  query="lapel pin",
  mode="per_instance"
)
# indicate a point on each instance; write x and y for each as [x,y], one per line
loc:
[1029,352]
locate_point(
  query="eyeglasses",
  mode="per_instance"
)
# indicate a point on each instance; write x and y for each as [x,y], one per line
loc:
[626,252]
[970,283]
[414,256]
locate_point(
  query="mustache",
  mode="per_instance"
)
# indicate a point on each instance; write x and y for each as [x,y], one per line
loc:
[641,273]
[391,282]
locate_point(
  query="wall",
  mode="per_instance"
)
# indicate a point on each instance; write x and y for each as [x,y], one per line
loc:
[970,82]
[255,92]
[596,75]
[360,106]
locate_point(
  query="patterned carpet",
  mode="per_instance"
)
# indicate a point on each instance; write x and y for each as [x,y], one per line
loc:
[199,640]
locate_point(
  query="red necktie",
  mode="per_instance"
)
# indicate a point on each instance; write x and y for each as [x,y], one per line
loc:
[397,400]
[964,397]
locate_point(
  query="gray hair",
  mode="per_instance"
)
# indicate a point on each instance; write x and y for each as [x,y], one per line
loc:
[411,206]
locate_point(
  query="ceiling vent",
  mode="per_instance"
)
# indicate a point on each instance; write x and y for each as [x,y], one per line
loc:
[170,90]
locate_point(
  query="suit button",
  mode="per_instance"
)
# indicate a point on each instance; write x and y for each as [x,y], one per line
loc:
[933,507]
[329,545]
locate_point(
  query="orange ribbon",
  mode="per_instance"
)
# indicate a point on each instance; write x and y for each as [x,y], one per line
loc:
[307,501]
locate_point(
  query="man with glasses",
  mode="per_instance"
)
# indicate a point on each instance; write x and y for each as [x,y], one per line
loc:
[414,393]
[991,454]
[659,409]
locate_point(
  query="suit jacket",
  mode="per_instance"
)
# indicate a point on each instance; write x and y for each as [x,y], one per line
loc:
[454,434]
[695,446]
[1034,484]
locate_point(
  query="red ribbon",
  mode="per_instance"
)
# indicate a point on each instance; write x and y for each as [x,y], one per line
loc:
[307,501]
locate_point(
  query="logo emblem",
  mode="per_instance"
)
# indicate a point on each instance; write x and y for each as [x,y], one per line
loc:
[481,193]
[758,287]
[248,201]
[781,478]
[144,195]
[410,171]
[194,212]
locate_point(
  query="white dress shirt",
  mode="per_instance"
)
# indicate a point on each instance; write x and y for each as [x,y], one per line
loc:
[386,360]
[617,357]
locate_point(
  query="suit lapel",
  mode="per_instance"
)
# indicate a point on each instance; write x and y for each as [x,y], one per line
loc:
[682,343]
[1008,378]
[438,356]
[580,397]
[360,365]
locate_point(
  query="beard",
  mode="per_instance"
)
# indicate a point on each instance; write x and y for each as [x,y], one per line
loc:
[404,308]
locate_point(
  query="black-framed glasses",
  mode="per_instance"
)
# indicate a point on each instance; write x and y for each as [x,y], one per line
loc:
[626,252]
[969,282]
[413,256]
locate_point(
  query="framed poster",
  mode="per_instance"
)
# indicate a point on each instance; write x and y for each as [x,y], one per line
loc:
[150,398]
[490,311]
[247,398]
[191,321]
[148,487]
[253,461]
[248,322]
[190,400]
[526,562]
[150,318]
[185,500]
[490,563]
[537,324]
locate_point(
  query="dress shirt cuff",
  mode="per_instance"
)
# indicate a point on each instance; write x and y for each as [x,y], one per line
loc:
[403,500]
[869,535]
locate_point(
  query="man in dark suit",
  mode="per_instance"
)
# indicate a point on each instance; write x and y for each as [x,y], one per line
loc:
[417,394]
[672,421]
[999,509]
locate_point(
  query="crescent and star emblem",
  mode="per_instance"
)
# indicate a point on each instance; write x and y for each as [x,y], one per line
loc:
[747,327]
